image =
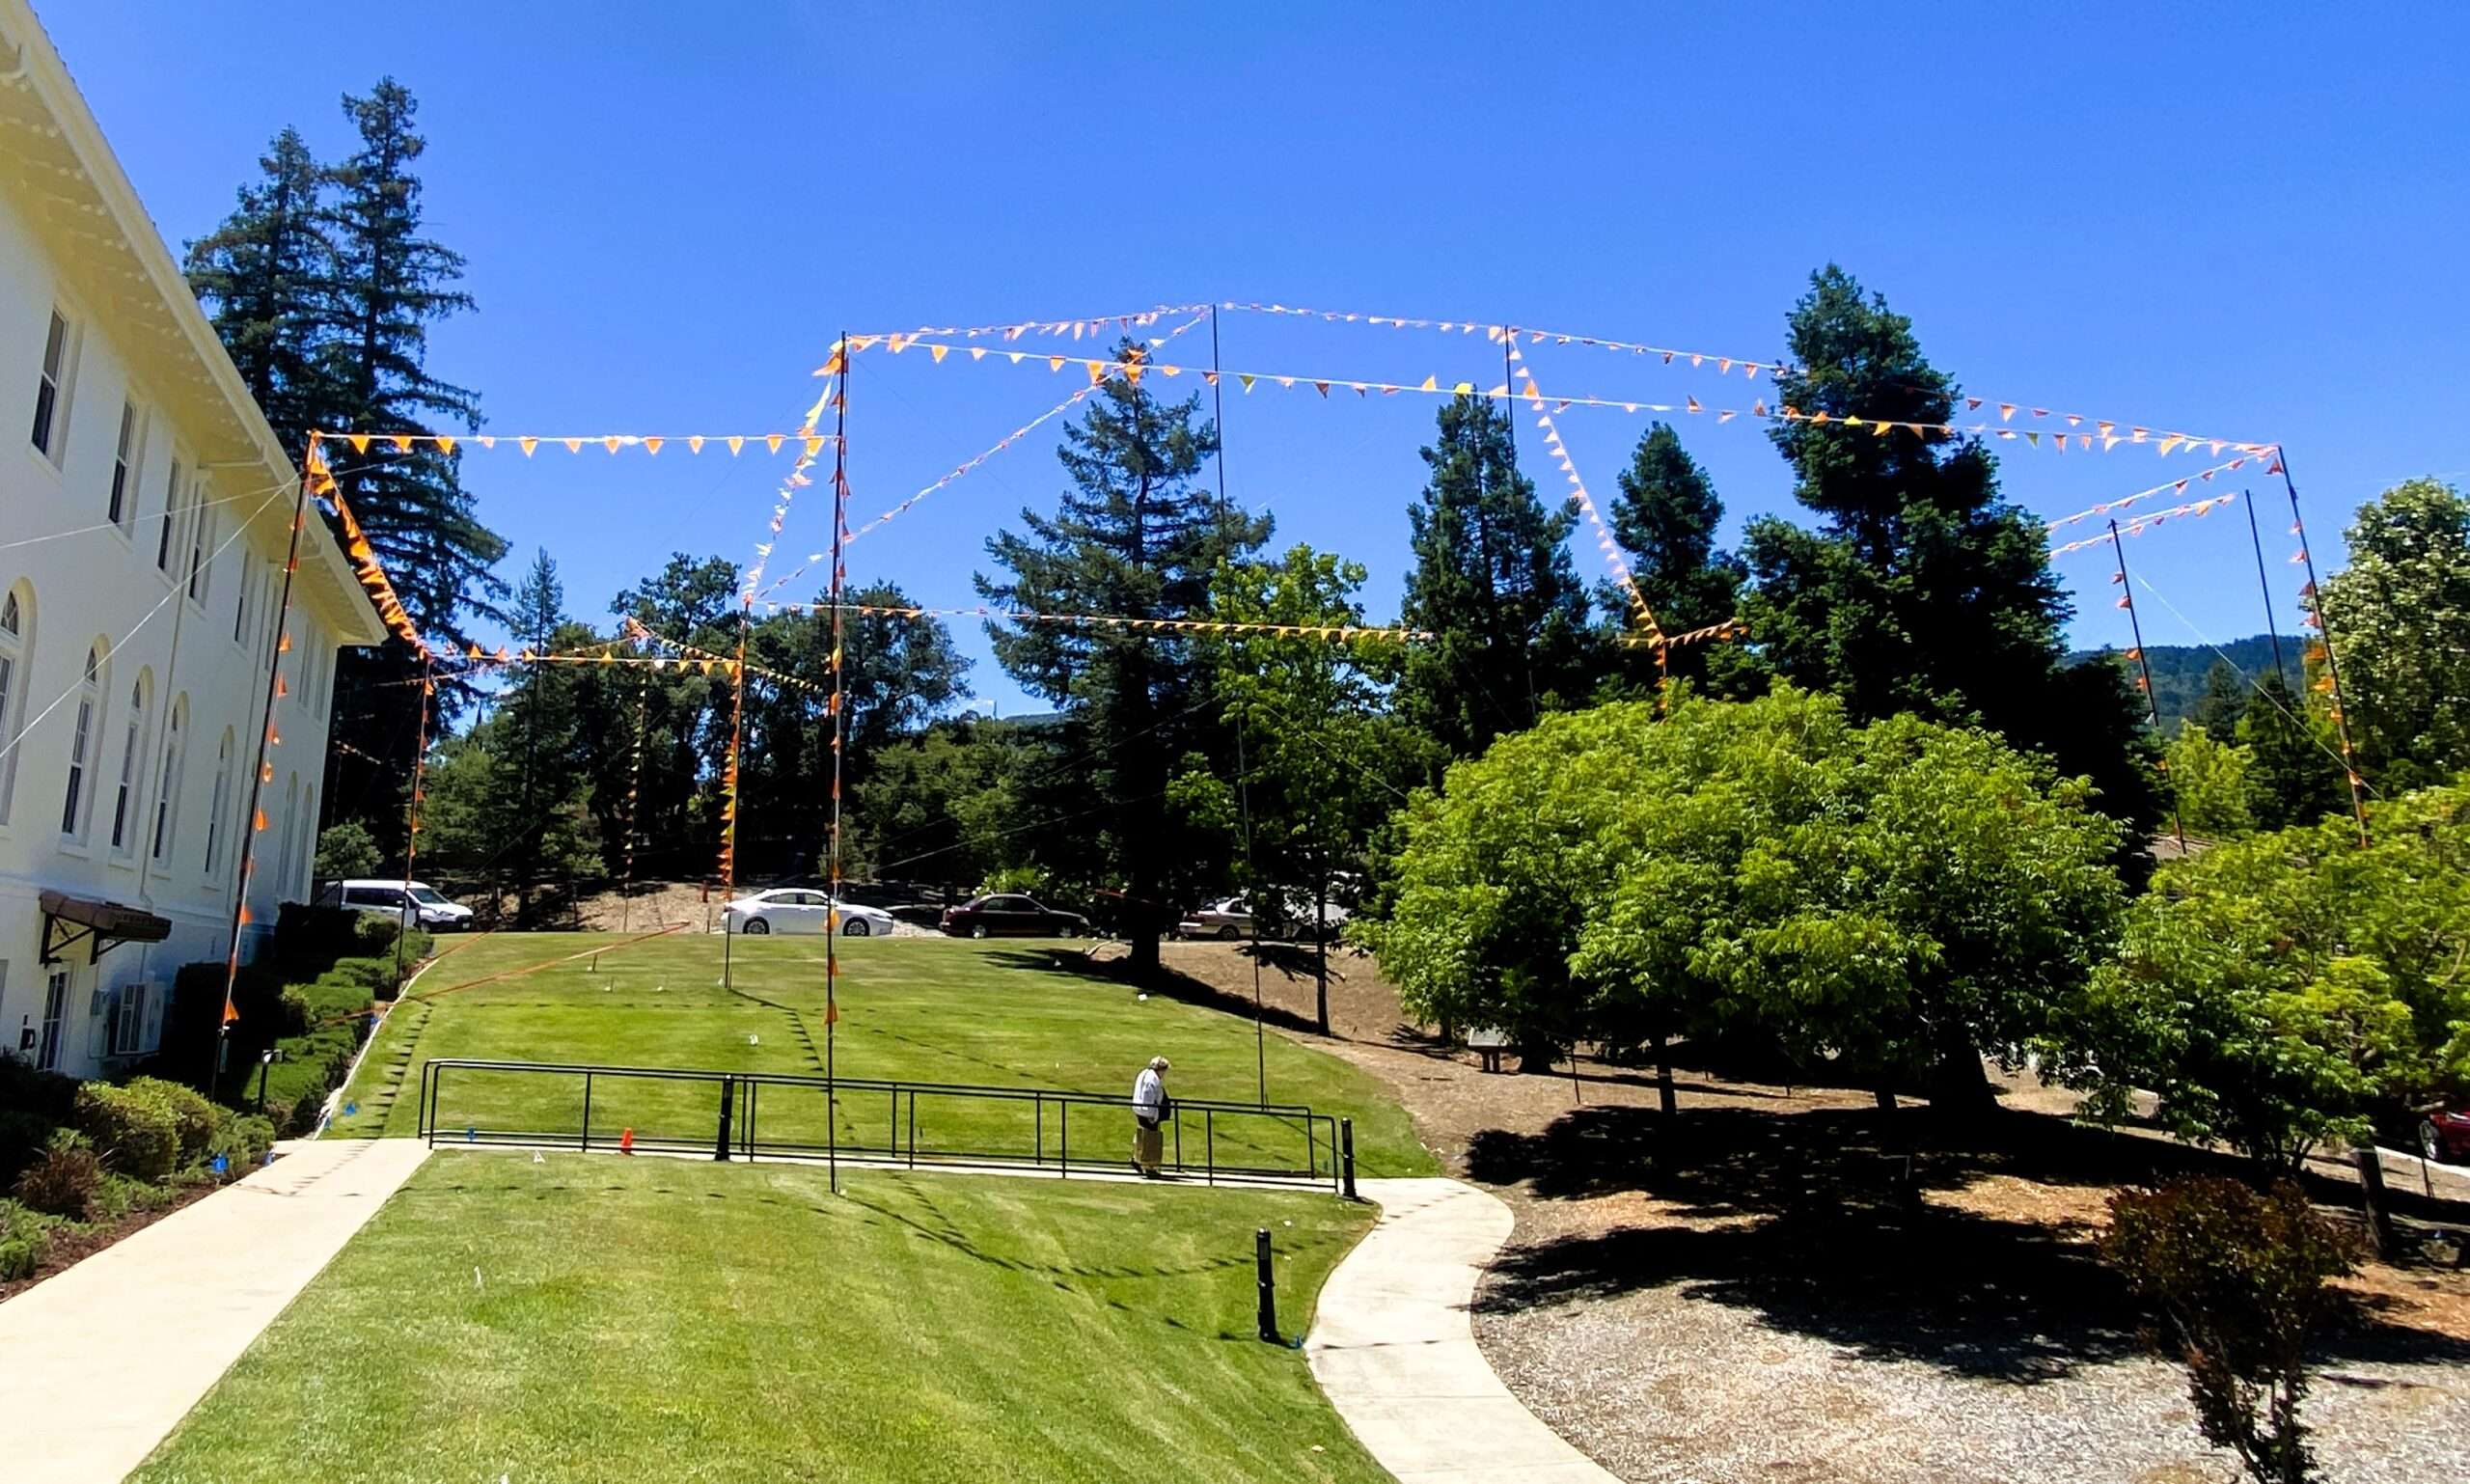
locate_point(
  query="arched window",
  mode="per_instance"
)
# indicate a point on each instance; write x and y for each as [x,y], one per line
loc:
[78,801]
[304,853]
[16,636]
[285,844]
[128,812]
[215,820]
[167,790]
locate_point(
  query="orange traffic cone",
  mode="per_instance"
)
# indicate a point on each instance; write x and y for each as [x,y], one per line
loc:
[626,1142]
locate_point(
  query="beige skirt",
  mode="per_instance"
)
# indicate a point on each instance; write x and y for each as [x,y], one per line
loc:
[1148,1145]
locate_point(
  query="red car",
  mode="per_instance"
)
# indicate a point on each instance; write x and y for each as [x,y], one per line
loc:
[1010,915]
[2445,1137]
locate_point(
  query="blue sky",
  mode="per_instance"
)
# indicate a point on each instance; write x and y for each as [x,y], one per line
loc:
[2241,221]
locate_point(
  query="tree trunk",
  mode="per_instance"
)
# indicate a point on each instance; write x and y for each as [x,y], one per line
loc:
[1143,943]
[1321,951]
[1901,1174]
[1665,1097]
[2371,1192]
[1535,1057]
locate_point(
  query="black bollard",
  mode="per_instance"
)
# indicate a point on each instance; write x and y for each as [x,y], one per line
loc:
[1268,1293]
[1346,1154]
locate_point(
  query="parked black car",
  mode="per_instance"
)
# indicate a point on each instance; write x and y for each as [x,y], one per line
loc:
[1010,915]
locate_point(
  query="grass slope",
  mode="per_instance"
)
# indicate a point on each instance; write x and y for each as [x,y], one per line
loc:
[595,1317]
[923,1009]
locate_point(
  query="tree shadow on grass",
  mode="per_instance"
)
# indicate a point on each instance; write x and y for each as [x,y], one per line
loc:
[1172,983]
[1802,1219]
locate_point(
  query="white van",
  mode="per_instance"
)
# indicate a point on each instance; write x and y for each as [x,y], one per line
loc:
[424,905]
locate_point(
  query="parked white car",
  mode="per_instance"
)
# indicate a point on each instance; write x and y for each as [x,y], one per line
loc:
[797,910]
[413,901]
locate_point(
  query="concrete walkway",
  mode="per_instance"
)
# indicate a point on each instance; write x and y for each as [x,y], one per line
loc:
[1393,1346]
[99,1363]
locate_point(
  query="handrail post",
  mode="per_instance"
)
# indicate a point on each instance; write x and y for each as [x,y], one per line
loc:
[746,1135]
[1064,1117]
[1209,1130]
[729,1096]
[586,1111]
[1179,1141]
[1346,1155]
[1037,1116]
[913,1128]
[1269,1291]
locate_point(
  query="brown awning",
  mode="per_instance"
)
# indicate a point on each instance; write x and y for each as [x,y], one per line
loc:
[67,920]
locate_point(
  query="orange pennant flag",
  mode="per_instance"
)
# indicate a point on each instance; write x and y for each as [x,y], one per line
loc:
[573,445]
[359,442]
[652,445]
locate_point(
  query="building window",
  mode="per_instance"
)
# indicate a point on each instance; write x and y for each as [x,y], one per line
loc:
[14,620]
[167,790]
[171,520]
[200,535]
[125,468]
[125,804]
[52,391]
[55,1008]
[128,1021]
[222,801]
[82,743]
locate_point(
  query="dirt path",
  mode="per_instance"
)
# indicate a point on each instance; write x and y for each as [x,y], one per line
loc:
[1735,1295]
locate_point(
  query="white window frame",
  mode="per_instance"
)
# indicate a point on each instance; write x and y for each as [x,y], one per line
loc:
[128,467]
[165,835]
[85,744]
[55,387]
[52,1036]
[128,791]
[201,574]
[16,644]
[215,820]
[167,543]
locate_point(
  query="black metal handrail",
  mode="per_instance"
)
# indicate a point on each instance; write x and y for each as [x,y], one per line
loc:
[737,1109]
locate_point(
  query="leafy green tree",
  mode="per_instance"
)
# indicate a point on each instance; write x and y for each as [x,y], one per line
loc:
[949,803]
[1493,580]
[1135,535]
[266,275]
[2223,703]
[2400,612]
[1922,589]
[1666,517]
[1326,759]
[2280,991]
[2293,774]
[346,851]
[1904,896]
[2209,780]
[686,716]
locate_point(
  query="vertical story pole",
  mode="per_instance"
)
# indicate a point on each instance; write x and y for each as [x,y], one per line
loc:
[313,462]
[2263,584]
[1243,770]
[634,792]
[412,815]
[2315,614]
[839,732]
[729,790]
[2143,680]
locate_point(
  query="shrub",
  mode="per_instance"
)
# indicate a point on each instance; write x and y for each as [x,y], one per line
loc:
[22,1137]
[314,935]
[48,1095]
[2238,1278]
[135,1129]
[195,1118]
[244,1142]
[375,933]
[63,1181]
[25,1240]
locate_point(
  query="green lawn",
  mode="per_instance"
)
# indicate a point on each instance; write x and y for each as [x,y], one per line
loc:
[921,1009]
[592,1317]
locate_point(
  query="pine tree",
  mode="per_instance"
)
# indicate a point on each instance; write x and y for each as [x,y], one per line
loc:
[2293,774]
[265,277]
[1134,536]
[540,774]
[1666,517]
[2223,703]
[1922,589]
[1494,581]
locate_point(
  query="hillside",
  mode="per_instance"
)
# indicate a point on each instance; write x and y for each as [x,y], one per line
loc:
[2178,669]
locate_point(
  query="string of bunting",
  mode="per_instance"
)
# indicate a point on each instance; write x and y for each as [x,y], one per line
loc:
[2173,488]
[1214,626]
[635,629]
[2143,523]
[2103,435]
[575,442]
[1095,325]
[1667,355]
[364,558]
[1005,442]
[1561,452]
[809,447]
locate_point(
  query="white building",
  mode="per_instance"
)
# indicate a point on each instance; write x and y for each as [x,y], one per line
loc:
[144,512]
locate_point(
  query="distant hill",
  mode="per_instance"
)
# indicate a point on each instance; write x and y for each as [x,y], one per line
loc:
[2178,669]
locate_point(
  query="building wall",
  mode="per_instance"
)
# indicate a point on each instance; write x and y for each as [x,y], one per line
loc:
[166,656]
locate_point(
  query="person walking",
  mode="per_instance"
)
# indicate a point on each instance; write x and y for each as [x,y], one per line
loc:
[1150,1107]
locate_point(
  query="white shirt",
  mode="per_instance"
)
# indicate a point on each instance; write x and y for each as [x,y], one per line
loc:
[1149,1093]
